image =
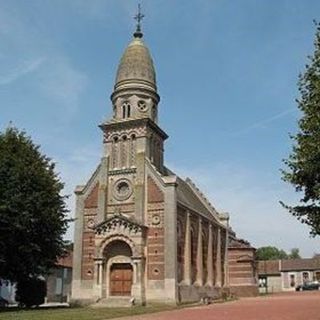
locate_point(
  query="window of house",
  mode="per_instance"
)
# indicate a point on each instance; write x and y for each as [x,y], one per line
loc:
[58,286]
[292,280]
[262,282]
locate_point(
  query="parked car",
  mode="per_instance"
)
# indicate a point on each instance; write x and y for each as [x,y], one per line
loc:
[3,302]
[315,285]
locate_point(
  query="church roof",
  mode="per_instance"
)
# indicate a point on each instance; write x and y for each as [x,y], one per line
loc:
[191,197]
[136,67]
[188,197]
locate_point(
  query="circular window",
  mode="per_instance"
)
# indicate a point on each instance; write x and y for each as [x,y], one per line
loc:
[122,189]
[142,106]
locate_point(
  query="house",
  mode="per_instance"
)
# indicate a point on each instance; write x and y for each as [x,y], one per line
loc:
[58,283]
[286,275]
[59,280]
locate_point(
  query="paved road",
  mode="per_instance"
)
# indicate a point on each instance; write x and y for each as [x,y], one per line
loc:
[284,306]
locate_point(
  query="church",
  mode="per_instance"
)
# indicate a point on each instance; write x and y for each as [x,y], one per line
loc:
[142,233]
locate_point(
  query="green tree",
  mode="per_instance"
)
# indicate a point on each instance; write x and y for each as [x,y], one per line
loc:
[294,254]
[303,164]
[270,253]
[32,210]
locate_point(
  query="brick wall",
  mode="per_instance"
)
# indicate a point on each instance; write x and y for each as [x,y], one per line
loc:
[154,193]
[242,271]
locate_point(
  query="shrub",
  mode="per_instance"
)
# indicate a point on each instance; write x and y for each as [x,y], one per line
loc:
[31,292]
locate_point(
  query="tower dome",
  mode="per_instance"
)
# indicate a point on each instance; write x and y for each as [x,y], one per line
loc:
[136,69]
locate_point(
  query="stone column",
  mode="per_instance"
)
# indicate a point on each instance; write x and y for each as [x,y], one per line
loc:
[199,277]
[97,277]
[138,286]
[96,273]
[100,272]
[210,259]
[187,253]
[78,234]
[218,259]
[170,240]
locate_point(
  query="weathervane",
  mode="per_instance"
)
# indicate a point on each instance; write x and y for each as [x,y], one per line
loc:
[139,16]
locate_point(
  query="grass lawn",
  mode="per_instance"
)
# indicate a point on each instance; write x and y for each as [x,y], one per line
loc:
[85,313]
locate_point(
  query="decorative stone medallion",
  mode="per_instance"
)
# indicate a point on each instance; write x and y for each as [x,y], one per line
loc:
[155,219]
[90,223]
[122,189]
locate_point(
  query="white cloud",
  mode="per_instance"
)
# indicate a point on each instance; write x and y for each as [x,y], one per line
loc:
[25,45]
[21,70]
[263,123]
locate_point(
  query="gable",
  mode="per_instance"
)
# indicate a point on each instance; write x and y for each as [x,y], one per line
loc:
[154,192]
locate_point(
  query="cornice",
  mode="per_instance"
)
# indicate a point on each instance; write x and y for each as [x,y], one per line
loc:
[132,123]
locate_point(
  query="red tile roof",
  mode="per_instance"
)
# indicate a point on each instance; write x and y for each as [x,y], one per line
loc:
[277,266]
[270,267]
[300,264]
[65,261]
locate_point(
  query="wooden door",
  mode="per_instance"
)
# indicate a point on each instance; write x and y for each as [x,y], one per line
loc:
[121,279]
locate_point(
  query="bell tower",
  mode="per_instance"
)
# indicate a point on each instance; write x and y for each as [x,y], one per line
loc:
[133,129]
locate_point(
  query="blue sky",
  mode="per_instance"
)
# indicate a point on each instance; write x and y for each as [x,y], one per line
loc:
[227,75]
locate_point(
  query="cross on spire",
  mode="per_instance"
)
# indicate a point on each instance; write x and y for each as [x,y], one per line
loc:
[139,16]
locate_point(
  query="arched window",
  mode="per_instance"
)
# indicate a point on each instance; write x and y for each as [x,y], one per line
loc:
[133,150]
[115,152]
[123,157]
[126,110]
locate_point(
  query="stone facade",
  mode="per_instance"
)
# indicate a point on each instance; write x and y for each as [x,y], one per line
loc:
[142,232]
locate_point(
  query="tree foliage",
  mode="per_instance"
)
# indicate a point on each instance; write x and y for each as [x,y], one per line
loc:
[294,254]
[270,253]
[273,253]
[303,164]
[32,210]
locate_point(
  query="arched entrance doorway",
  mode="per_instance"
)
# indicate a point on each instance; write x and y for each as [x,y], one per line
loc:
[119,268]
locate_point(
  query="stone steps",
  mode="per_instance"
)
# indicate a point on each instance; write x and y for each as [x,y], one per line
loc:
[114,302]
